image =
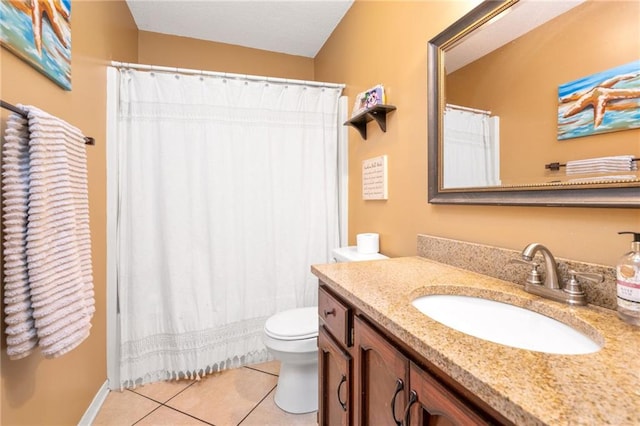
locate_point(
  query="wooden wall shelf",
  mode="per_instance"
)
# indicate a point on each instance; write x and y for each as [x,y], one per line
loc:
[377,113]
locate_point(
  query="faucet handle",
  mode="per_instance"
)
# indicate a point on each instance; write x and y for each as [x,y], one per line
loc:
[589,276]
[534,275]
[574,288]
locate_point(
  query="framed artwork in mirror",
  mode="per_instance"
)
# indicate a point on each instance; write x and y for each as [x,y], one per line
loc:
[608,101]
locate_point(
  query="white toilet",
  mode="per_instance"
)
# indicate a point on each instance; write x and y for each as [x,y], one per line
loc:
[292,338]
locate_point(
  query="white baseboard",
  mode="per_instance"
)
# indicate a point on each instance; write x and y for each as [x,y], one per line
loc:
[96,404]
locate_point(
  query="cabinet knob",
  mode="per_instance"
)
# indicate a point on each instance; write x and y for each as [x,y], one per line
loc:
[331,312]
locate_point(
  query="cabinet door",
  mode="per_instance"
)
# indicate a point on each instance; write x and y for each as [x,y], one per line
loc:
[380,378]
[430,403]
[334,371]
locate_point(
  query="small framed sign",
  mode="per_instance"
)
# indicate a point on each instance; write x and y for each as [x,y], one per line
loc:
[374,178]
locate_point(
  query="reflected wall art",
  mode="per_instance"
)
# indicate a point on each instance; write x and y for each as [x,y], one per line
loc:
[605,102]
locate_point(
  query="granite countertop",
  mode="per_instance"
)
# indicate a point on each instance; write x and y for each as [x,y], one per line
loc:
[526,387]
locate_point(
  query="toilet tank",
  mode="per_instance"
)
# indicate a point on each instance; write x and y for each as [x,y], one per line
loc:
[350,254]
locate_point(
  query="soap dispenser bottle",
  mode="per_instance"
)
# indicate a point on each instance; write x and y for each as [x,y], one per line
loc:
[628,282]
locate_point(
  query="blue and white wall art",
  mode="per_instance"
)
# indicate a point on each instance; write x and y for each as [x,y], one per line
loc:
[39,32]
[600,103]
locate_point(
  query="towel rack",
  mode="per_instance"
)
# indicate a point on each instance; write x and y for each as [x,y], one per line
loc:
[6,105]
[556,166]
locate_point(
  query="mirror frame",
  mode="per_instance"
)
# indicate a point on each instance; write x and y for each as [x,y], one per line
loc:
[592,195]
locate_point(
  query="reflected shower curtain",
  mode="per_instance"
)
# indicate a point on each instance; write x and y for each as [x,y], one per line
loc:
[227,193]
[471,154]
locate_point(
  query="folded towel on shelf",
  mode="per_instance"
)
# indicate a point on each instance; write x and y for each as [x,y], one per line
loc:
[48,286]
[620,163]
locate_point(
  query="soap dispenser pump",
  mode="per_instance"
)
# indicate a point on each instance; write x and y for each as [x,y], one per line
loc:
[628,282]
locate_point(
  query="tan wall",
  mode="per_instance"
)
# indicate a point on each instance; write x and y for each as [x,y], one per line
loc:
[523,92]
[38,391]
[184,52]
[386,42]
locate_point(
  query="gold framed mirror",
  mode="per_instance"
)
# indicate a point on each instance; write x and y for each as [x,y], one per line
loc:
[473,66]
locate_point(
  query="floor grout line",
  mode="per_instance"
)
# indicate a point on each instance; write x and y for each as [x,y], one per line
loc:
[158,399]
[161,402]
[261,371]
[146,415]
[187,414]
[145,396]
[256,406]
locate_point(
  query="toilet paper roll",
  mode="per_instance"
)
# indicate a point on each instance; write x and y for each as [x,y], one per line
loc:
[368,243]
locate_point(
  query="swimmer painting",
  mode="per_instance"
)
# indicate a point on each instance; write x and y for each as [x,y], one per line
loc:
[38,32]
[605,102]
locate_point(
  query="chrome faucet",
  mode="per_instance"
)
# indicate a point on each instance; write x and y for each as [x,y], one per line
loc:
[550,265]
[552,287]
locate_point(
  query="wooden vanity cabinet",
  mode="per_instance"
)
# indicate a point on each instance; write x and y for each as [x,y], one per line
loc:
[372,379]
[334,361]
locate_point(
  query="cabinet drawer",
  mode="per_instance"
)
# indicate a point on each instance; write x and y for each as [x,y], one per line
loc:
[335,316]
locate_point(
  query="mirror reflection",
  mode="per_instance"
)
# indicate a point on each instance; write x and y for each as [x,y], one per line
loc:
[543,95]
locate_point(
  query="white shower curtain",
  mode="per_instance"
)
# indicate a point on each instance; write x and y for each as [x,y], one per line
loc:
[471,149]
[227,193]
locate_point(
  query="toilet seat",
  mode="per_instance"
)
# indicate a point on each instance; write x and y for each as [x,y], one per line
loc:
[294,324]
[285,347]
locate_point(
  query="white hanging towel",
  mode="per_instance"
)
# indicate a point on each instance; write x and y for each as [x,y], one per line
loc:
[21,332]
[58,245]
[620,163]
[58,237]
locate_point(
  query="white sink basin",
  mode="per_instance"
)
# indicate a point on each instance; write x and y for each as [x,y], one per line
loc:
[505,324]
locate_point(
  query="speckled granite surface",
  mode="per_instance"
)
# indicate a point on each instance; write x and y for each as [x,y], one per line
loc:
[529,388]
[495,262]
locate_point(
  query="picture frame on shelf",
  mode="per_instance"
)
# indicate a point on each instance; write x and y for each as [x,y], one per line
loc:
[368,99]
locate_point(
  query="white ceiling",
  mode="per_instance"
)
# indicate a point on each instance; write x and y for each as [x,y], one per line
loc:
[301,27]
[521,18]
[295,27]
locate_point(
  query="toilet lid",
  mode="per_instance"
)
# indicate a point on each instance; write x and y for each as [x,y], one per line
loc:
[294,324]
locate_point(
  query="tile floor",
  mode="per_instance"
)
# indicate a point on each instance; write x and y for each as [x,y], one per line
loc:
[242,396]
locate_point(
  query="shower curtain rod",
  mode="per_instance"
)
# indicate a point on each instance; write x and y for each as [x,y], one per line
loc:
[226,75]
[17,110]
[462,108]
